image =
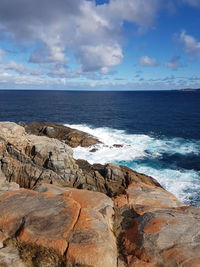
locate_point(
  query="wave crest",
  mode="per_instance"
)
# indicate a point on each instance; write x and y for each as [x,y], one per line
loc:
[160,158]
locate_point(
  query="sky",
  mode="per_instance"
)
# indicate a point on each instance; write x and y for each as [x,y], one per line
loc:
[99,45]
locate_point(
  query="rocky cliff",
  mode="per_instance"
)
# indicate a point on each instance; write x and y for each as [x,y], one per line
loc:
[56,211]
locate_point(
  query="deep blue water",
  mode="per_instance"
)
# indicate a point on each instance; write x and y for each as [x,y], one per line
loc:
[175,114]
[171,119]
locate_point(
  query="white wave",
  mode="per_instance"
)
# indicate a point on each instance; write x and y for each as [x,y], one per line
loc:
[134,145]
[182,183]
[185,184]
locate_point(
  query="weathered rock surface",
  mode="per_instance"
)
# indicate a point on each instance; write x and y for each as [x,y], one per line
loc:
[166,237]
[56,226]
[138,223]
[112,179]
[71,137]
[155,229]
[9,257]
[29,159]
[6,186]
[67,228]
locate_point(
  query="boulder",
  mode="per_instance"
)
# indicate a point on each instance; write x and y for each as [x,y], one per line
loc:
[155,229]
[71,137]
[93,150]
[58,227]
[29,159]
[144,197]
[118,145]
[166,237]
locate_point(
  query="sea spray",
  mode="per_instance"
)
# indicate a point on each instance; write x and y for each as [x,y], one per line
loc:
[161,158]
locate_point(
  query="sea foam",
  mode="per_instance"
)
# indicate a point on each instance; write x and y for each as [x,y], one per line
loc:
[146,154]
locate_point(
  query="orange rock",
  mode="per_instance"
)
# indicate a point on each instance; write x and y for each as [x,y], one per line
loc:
[151,196]
[166,237]
[75,224]
[154,225]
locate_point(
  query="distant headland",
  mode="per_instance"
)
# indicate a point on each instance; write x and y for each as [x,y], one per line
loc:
[188,90]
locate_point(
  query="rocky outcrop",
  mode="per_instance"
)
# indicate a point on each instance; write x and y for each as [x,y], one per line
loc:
[29,160]
[131,221]
[56,226]
[155,229]
[71,137]
[67,228]
[111,179]
[164,237]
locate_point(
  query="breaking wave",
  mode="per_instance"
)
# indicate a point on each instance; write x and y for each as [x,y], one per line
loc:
[174,162]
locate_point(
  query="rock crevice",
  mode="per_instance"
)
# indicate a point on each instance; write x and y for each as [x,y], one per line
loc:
[72,213]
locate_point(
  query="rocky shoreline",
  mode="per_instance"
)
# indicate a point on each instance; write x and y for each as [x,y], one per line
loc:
[58,211]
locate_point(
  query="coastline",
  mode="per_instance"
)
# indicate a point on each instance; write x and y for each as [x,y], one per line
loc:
[147,154]
[69,212]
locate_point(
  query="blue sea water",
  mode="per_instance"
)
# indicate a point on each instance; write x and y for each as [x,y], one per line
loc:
[159,130]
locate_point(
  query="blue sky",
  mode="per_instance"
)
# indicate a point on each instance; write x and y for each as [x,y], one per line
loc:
[102,45]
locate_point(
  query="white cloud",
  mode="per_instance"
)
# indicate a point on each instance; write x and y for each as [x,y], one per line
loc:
[100,57]
[91,32]
[174,63]
[14,79]
[147,61]
[191,45]
[19,68]
[195,3]
[141,12]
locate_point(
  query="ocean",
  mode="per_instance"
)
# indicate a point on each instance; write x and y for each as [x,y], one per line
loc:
[159,131]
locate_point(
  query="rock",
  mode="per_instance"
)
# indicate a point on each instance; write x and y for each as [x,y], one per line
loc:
[118,145]
[143,197]
[166,237]
[111,179]
[59,228]
[93,150]
[6,186]
[71,137]
[29,159]
[155,229]
[9,257]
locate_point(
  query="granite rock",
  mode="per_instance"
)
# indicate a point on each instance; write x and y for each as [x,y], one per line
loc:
[30,159]
[155,229]
[51,228]
[71,137]
[165,237]
[133,222]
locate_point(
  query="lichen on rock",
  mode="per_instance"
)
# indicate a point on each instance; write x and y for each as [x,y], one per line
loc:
[56,211]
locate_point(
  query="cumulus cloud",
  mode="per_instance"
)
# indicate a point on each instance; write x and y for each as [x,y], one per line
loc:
[146,61]
[141,12]
[190,43]
[91,32]
[174,63]
[100,57]
[48,55]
